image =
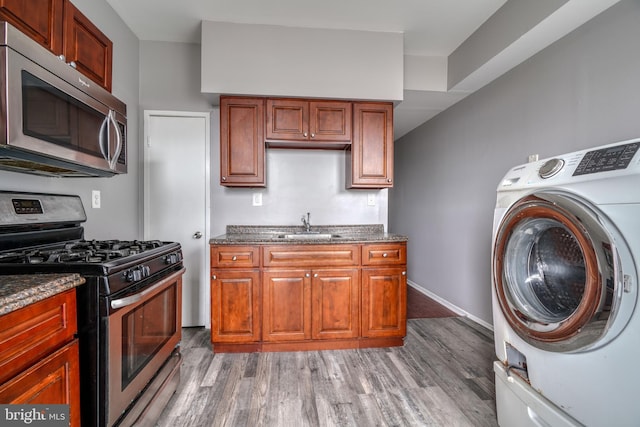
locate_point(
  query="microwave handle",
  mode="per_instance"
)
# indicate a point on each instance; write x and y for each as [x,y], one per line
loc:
[114,160]
[104,144]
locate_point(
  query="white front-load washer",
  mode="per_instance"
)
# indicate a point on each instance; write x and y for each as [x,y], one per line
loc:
[566,245]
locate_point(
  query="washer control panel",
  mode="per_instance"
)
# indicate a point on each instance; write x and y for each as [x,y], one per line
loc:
[607,159]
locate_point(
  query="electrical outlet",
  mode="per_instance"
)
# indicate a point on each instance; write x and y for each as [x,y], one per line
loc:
[257,199]
[95,199]
[533,158]
[371,199]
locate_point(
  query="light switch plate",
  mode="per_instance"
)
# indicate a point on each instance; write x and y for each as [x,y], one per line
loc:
[371,199]
[257,199]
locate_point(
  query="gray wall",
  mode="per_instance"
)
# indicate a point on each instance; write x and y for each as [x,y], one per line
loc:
[118,217]
[580,92]
[298,181]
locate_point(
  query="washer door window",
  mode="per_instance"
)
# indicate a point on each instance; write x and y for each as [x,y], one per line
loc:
[554,272]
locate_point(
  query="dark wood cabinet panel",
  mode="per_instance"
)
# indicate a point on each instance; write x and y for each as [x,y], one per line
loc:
[235,256]
[242,150]
[53,380]
[312,124]
[30,333]
[384,254]
[308,256]
[286,305]
[87,47]
[370,160]
[39,354]
[39,19]
[60,27]
[335,307]
[235,306]
[384,302]
[287,119]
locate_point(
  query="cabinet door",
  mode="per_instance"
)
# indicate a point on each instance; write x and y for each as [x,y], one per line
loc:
[242,150]
[335,298]
[31,333]
[53,380]
[384,302]
[330,121]
[286,305]
[370,161]
[39,19]
[87,46]
[235,306]
[287,119]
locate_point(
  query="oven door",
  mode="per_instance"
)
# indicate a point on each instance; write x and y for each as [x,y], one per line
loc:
[143,331]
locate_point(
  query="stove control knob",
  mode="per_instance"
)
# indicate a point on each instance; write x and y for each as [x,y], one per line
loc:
[173,258]
[146,271]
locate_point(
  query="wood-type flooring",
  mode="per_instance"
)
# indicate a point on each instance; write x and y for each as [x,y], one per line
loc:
[442,376]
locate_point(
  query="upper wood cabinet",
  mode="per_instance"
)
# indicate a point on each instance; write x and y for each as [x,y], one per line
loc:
[60,27]
[312,122]
[87,47]
[370,161]
[39,19]
[364,129]
[242,150]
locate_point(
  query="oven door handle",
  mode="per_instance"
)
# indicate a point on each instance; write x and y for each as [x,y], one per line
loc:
[132,299]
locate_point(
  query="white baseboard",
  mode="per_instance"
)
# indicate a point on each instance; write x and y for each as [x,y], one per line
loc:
[449,305]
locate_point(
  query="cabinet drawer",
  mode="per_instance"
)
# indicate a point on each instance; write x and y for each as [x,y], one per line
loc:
[235,256]
[32,332]
[384,254]
[311,255]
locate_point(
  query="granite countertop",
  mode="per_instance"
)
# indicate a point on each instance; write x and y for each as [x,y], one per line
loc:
[17,291]
[273,234]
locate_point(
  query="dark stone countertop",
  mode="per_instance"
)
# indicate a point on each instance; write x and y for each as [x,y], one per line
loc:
[21,290]
[273,234]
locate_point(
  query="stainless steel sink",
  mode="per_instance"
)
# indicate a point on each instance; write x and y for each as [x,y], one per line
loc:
[308,236]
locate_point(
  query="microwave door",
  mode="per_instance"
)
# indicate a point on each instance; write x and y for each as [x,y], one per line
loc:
[58,120]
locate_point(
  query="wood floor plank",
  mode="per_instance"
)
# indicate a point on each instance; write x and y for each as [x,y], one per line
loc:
[441,377]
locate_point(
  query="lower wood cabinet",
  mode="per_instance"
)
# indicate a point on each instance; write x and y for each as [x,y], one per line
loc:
[307,297]
[39,354]
[235,303]
[310,304]
[384,302]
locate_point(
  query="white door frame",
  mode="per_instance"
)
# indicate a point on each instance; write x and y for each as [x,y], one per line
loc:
[204,275]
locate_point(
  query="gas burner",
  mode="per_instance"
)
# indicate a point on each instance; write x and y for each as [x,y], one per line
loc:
[116,248]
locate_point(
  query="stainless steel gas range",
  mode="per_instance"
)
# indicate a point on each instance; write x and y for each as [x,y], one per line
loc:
[129,309]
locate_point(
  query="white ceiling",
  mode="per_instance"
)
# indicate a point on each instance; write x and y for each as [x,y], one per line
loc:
[431,28]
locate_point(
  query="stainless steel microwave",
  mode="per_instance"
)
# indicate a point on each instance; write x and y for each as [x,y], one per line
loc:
[55,121]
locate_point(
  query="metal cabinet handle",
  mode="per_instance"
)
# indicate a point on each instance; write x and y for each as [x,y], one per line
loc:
[313,135]
[305,134]
[197,235]
[307,275]
[315,275]
[224,178]
[404,273]
[384,255]
[214,277]
[234,258]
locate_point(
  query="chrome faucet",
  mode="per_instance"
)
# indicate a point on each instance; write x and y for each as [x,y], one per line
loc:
[307,222]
